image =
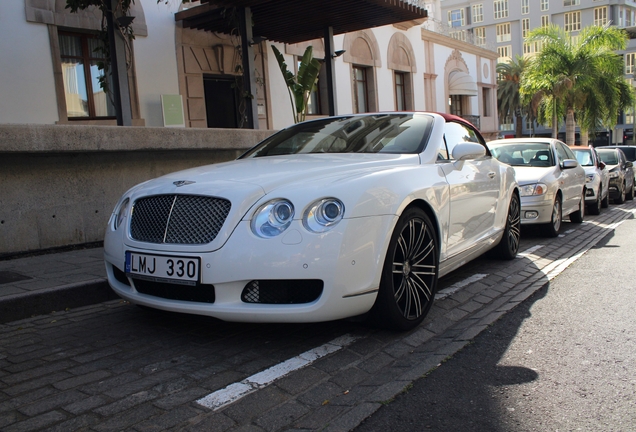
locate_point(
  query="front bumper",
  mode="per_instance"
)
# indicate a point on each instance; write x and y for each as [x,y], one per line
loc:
[591,190]
[536,209]
[348,260]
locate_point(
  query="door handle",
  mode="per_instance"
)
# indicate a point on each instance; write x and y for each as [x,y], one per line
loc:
[491,175]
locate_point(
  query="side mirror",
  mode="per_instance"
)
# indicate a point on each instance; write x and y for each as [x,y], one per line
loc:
[464,151]
[601,165]
[569,164]
[629,164]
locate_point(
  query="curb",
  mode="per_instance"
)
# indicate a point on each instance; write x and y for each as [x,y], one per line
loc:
[21,306]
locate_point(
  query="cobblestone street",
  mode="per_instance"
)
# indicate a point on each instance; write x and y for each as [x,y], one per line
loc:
[114,366]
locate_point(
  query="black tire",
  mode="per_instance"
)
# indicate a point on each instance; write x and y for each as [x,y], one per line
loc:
[630,195]
[554,226]
[595,209]
[409,275]
[605,201]
[509,244]
[579,215]
[621,196]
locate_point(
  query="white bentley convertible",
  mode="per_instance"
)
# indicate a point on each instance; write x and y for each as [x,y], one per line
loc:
[327,219]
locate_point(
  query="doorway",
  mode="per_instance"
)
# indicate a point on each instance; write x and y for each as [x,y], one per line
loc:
[221,101]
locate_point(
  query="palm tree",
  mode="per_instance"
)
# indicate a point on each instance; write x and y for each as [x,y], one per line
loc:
[602,113]
[582,74]
[509,102]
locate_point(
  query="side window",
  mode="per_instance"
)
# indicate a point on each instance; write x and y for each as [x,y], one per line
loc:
[560,148]
[455,133]
[569,152]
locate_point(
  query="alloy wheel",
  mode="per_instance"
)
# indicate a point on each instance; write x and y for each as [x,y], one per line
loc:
[414,269]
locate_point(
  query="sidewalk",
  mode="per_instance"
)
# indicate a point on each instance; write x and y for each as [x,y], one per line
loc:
[56,281]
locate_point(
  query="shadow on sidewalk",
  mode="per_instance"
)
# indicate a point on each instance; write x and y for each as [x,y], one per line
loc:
[460,394]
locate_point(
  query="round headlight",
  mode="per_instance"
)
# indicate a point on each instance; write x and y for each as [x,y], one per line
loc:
[272,218]
[121,214]
[322,215]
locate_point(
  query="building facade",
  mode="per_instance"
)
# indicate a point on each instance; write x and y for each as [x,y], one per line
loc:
[50,71]
[504,24]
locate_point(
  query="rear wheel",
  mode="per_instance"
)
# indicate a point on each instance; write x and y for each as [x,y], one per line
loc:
[579,215]
[409,275]
[552,229]
[509,244]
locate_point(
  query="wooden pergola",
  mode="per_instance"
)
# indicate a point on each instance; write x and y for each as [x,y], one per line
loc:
[292,21]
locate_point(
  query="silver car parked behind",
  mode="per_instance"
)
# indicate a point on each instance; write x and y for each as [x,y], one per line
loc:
[596,178]
[551,181]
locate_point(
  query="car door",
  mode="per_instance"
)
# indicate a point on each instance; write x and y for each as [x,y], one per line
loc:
[474,190]
[629,173]
[572,180]
[602,169]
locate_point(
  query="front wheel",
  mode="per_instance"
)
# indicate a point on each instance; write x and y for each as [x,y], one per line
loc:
[579,215]
[605,201]
[595,209]
[630,195]
[509,244]
[409,275]
[552,229]
[620,199]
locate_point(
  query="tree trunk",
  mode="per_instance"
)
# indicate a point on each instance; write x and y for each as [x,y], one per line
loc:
[569,127]
[585,137]
[519,126]
[555,121]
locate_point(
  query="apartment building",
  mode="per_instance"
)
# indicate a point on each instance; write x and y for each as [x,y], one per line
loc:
[504,24]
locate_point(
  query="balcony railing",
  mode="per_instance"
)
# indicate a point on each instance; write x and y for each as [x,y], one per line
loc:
[465,35]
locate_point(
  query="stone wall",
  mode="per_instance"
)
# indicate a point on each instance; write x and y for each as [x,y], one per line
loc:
[59,183]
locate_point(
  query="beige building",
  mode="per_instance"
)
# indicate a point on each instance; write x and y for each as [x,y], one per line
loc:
[410,65]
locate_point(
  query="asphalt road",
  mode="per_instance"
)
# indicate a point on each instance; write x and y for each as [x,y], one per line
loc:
[564,360]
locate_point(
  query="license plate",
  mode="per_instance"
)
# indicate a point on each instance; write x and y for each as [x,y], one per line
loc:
[163,268]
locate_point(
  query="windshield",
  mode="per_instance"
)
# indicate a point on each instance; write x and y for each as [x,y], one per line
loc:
[523,154]
[379,133]
[584,157]
[610,157]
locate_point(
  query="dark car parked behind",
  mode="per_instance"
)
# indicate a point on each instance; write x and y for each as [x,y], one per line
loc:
[629,150]
[621,173]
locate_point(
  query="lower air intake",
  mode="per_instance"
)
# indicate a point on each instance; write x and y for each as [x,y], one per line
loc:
[282,291]
[197,293]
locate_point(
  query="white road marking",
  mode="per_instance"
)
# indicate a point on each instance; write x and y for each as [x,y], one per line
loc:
[458,285]
[569,231]
[529,251]
[236,391]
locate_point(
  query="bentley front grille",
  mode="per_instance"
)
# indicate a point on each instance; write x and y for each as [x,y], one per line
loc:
[178,219]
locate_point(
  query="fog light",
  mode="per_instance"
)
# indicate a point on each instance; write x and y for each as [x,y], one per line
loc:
[531,214]
[589,192]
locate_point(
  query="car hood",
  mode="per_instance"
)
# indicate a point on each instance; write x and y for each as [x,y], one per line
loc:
[529,175]
[591,170]
[266,174]
[246,181]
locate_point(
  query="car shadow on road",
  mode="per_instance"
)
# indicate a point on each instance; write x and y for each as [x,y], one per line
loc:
[465,392]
